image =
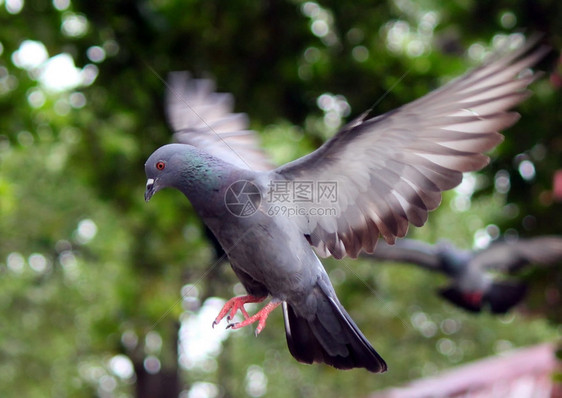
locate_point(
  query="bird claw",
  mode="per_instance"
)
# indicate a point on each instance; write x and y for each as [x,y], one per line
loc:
[234,325]
[234,305]
[260,317]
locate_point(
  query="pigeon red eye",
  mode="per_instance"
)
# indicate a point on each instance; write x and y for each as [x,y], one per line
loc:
[160,165]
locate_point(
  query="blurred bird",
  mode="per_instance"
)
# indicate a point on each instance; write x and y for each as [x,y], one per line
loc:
[472,285]
[377,174]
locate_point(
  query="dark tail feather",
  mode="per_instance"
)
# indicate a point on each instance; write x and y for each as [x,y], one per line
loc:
[499,297]
[503,295]
[330,337]
[460,299]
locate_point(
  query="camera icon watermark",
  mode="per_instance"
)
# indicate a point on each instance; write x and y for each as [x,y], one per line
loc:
[290,198]
[242,198]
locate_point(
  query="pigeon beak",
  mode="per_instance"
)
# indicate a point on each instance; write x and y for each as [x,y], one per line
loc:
[150,189]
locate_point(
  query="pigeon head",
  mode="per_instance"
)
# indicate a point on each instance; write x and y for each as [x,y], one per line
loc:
[163,168]
[184,167]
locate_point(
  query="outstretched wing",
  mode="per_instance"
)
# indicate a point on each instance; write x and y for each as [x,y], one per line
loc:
[408,251]
[510,256]
[390,170]
[203,118]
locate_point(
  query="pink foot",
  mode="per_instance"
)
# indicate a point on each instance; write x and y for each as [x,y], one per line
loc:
[233,305]
[474,298]
[260,317]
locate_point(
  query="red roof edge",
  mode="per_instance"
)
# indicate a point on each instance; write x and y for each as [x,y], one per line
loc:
[493,373]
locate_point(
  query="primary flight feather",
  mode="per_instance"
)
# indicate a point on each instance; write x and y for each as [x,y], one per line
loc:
[373,178]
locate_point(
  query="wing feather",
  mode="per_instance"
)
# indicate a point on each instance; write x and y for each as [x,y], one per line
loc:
[203,118]
[390,169]
[509,256]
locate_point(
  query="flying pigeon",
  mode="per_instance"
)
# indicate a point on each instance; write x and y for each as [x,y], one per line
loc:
[374,177]
[472,287]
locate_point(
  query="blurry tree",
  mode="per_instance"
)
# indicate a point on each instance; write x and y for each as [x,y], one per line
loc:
[96,286]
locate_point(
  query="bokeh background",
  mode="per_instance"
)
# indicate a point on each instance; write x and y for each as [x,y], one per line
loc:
[102,295]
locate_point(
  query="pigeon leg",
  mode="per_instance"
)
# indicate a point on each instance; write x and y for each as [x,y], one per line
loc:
[234,304]
[474,298]
[260,317]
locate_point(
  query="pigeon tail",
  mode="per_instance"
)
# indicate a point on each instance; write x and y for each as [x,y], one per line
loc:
[503,295]
[470,301]
[499,297]
[329,337]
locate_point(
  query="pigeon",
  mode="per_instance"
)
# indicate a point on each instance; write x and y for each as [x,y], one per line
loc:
[373,178]
[472,287]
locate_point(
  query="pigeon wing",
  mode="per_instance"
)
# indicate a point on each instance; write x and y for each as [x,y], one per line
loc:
[510,256]
[204,118]
[408,251]
[390,170]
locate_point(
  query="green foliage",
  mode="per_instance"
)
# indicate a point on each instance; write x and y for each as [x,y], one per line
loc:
[89,272]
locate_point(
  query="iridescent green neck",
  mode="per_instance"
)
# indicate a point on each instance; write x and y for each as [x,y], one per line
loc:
[201,179]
